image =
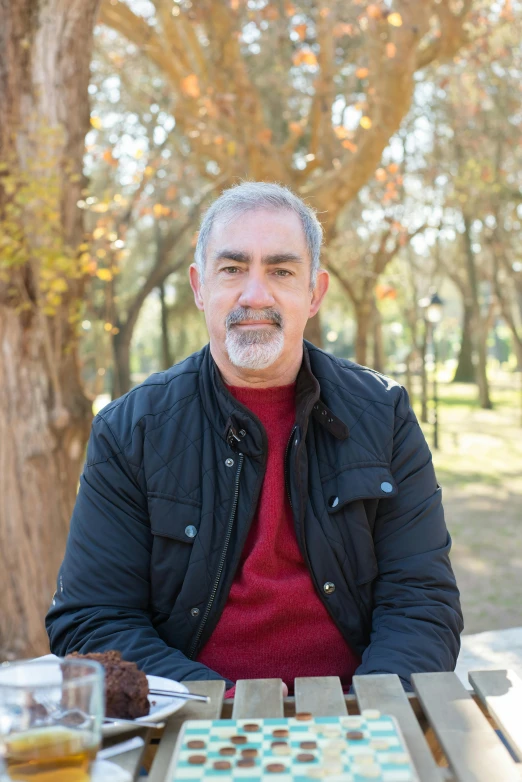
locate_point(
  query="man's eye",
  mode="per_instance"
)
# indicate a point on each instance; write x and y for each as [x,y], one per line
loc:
[230,269]
[282,273]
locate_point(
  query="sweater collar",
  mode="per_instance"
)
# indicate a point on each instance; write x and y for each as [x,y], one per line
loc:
[240,428]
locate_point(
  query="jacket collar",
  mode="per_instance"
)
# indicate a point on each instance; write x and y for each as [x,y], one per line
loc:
[238,425]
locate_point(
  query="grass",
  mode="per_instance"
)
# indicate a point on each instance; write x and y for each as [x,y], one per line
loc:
[479,466]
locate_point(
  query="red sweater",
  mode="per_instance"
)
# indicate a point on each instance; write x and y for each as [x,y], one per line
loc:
[274,625]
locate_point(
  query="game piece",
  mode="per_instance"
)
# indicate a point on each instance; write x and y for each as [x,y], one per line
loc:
[251,727]
[196,744]
[303,716]
[222,765]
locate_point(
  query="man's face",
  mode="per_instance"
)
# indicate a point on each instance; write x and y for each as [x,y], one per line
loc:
[256,291]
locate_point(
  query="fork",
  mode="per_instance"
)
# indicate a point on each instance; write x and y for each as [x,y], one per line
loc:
[188,696]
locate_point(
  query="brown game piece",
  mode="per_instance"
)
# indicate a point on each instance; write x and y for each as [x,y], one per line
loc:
[197,760]
[238,740]
[275,768]
[246,763]
[280,733]
[249,753]
[222,765]
[227,751]
[305,757]
[303,716]
[279,744]
[195,744]
[355,735]
[251,727]
[308,745]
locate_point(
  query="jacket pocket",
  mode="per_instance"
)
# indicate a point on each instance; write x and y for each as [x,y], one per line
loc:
[352,494]
[361,481]
[174,526]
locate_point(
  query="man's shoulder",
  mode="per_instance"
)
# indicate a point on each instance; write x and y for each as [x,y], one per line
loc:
[354,379]
[158,397]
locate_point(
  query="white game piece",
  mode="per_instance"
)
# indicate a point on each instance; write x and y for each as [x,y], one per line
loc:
[317,772]
[380,744]
[370,714]
[368,772]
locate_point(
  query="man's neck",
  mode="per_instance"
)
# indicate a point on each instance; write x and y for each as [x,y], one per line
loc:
[281,373]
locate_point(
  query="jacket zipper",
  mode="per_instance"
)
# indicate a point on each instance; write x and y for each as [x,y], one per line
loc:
[221,561]
[287,449]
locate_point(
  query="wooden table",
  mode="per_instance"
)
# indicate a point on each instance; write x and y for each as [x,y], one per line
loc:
[449,731]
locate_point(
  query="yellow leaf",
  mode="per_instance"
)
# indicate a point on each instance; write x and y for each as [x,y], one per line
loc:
[395,19]
[108,326]
[190,86]
[362,73]
[380,175]
[340,131]
[393,168]
[157,210]
[59,285]
[105,275]
[96,123]
[365,122]
[98,233]
[350,145]
[231,148]
[138,154]
[391,50]
[295,127]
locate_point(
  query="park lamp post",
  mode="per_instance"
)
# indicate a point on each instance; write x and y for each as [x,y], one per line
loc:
[432,306]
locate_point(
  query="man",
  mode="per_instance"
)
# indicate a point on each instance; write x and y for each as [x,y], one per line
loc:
[261,509]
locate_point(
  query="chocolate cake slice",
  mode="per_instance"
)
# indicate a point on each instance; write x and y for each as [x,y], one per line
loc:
[126,687]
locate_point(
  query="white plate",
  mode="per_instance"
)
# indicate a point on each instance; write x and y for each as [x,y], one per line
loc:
[161,706]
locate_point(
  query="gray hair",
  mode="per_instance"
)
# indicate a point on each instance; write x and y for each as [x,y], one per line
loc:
[249,196]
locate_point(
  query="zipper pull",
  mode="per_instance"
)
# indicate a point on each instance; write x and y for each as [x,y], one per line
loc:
[234,437]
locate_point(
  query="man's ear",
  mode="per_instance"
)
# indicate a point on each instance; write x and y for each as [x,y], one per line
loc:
[196,285]
[319,292]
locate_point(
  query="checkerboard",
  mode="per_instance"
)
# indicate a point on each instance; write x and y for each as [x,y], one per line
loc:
[295,749]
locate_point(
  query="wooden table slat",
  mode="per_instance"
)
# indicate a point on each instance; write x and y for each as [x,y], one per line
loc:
[258,698]
[322,696]
[161,767]
[501,693]
[386,693]
[473,749]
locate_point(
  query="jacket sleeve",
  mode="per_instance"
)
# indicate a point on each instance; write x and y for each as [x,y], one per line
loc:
[417,619]
[102,596]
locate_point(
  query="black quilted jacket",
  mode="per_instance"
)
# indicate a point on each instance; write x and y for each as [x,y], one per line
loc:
[169,490]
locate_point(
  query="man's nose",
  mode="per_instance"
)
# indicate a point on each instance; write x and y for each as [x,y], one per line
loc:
[256,293]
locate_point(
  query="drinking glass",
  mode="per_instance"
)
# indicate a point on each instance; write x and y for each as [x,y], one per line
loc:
[51,714]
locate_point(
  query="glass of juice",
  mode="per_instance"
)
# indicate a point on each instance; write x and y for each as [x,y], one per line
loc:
[51,714]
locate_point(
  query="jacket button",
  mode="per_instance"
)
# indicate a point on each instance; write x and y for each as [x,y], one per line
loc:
[194,611]
[387,487]
[229,462]
[191,531]
[329,588]
[333,502]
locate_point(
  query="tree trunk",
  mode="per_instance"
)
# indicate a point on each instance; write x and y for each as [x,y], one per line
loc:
[166,352]
[45,51]
[121,374]
[313,332]
[363,320]
[379,359]
[465,372]
[477,327]
[424,375]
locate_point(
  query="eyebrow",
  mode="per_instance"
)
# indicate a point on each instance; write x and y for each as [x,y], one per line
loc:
[267,260]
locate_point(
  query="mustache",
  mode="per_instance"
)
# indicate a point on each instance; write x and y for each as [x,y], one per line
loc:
[242,313]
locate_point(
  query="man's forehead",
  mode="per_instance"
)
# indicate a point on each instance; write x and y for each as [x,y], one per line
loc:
[277,231]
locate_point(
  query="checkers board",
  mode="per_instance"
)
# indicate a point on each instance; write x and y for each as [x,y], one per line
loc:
[293,749]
